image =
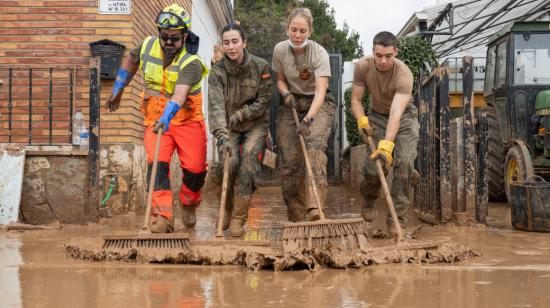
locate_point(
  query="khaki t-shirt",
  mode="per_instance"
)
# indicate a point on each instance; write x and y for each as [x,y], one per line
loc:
[300,71]
[383,85]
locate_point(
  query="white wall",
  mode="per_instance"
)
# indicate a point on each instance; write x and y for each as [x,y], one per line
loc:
[204,25]
[347,78]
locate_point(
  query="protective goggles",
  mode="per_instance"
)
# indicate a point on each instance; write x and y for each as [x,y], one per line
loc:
[167,20]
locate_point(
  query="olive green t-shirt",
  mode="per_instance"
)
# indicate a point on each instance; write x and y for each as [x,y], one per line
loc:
[383,85]
[190,75]
[301,70]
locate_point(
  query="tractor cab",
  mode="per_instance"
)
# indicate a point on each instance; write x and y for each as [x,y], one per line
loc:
[517,88]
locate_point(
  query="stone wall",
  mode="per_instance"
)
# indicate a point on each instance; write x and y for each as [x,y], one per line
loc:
[55,189]
[127,164]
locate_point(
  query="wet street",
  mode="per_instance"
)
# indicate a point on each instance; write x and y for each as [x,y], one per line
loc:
[512,271]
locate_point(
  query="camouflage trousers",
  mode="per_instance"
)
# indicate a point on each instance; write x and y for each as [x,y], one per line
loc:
[296,193]
[243,163]
[404,154]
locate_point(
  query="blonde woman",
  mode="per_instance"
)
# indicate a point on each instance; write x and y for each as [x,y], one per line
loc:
[303,73]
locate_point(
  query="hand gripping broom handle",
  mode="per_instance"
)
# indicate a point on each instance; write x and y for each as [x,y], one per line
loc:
[223,198]
[152,181]
[311,180]
[389,200]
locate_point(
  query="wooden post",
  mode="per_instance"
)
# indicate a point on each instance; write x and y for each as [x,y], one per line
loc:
[93,129]
[453,162]
[460,207]
[434,209]
[482,178]
[469,139]
[444,146]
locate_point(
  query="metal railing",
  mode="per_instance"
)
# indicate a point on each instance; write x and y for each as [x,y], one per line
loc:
[37,104]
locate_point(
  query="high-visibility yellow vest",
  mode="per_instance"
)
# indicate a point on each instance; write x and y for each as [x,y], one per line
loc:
[161,83]
[164,80]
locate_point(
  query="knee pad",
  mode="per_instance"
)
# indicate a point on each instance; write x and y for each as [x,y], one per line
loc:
[162,181]
[193,181]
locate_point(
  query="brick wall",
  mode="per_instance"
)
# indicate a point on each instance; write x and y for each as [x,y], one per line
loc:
[52,33]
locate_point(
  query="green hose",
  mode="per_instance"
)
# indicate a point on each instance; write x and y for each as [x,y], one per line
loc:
[111,187]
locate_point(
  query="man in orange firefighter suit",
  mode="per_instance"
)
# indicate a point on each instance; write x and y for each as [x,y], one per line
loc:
[172,101]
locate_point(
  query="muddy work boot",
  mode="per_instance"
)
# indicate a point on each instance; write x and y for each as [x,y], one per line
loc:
[188,216]
[367,211]
[161,224]
[239,215]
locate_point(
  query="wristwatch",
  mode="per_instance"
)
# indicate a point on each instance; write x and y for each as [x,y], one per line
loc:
[308,120]
[284,95]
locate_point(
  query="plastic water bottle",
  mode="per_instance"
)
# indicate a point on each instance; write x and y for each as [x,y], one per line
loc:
[77,126]
[84,138]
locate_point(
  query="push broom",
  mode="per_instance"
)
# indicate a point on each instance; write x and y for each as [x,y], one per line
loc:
[144,239]
[401,242]
[346,234]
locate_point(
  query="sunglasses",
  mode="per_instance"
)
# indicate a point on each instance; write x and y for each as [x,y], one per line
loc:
[172,38]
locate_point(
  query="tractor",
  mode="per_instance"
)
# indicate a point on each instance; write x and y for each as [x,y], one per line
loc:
[517,92]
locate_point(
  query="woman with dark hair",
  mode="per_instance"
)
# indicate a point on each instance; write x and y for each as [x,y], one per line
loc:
[303,73]
[239,95]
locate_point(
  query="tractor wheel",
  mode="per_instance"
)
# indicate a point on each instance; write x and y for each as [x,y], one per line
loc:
[496,155]
[517,167]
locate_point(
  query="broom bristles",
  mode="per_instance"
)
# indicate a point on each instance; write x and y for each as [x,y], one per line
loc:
[349,234]
[165,241]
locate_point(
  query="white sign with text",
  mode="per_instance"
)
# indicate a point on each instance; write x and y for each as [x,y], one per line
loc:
[117,7]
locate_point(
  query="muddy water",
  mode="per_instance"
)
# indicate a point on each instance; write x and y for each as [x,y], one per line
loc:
[514,271]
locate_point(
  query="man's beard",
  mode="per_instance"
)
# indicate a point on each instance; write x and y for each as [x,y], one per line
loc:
[171,51]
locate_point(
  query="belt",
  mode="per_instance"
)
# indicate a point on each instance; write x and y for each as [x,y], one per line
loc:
[296,95]
[151,92]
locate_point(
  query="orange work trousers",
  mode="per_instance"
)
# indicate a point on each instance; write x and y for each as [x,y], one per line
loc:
[189,139]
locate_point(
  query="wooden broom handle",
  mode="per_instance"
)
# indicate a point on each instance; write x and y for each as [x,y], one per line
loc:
[223,198]
[311,180]
[152,181]
[389,200]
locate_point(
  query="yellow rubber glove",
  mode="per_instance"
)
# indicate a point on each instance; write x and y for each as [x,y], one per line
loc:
[363,122]
[363,125]
[384,152]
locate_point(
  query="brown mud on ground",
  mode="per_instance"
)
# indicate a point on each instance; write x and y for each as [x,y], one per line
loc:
[513,269]
[264,223]
[270,258]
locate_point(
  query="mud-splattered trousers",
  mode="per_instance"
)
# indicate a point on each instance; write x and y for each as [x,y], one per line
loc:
[404,154]
[244,164]
[294,183]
